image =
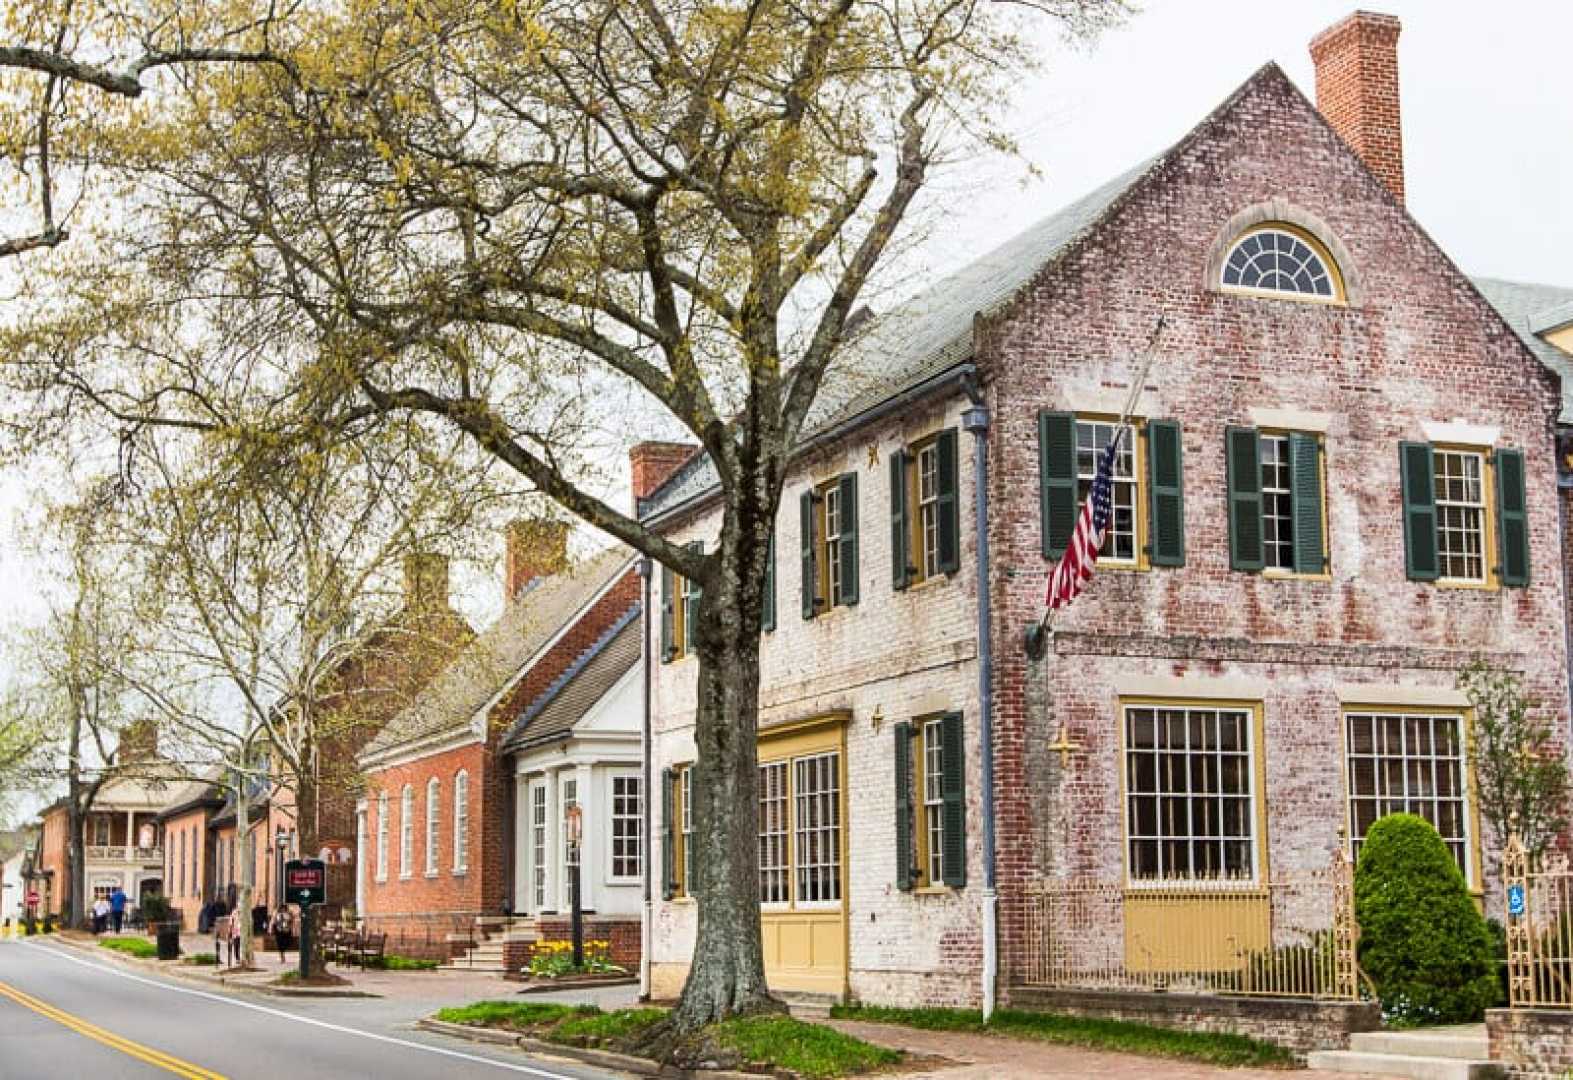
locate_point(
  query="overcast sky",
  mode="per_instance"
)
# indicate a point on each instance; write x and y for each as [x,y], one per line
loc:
[1488,136]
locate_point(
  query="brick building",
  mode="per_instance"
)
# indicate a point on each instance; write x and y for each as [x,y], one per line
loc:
[1339,485]
[437,826]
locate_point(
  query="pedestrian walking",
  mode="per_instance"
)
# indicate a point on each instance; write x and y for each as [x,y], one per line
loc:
[234,940]
[117,908]
[282,928]
[100,915]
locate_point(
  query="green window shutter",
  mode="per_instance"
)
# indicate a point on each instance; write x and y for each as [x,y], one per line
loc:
[848,548]
[1056,480]
[691,603]
[953,789]
[668,624]
[1305,497]
[768,616]
[1242,447]
[668,834]
[1418,480]
[906,865]
[1512,518]
[1166,493]
[900,527]
[810,571]
[949,512]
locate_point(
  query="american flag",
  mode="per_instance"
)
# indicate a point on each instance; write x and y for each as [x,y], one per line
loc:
[1074,569]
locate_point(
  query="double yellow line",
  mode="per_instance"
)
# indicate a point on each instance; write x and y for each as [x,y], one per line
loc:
[125,1046]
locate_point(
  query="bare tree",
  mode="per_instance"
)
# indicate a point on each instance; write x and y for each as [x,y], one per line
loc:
[504,216]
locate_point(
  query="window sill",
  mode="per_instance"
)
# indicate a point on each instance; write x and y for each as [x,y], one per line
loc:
[935,890]
[405,877]
[1292,575]
[934,582]
[380,880]
[1124,567]
[1288,298]
[1467,586]
[431,874]
[684,901]
[461,873]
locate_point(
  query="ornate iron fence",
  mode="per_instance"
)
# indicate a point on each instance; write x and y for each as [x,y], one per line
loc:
[1292,936]
[1539,908]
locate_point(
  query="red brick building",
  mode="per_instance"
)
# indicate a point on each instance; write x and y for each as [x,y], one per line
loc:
[1338,485]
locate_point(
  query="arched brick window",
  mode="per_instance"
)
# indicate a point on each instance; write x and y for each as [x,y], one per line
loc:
[1277,259]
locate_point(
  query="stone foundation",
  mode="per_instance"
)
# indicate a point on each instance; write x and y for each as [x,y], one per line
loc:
[1531,1042]
[1297,1024]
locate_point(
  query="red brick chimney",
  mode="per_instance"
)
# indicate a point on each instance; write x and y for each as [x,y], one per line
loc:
[536,547]
[138,743]
[425,582]
[1357,90]
[651,463]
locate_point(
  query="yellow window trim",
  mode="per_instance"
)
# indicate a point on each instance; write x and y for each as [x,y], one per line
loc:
[915,537]
[1488,481]
[1466,714]
[1138,426]
[1258,797]
[1340,297]
[926,885]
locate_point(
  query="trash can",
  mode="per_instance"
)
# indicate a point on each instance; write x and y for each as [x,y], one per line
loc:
[169,941]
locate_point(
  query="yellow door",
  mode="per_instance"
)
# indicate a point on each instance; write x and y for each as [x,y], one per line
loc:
[802,842]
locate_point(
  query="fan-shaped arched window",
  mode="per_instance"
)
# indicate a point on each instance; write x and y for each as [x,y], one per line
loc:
[1282,261]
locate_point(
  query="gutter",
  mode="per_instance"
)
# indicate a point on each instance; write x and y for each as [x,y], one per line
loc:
[645,934]
[955,377]
[976,420]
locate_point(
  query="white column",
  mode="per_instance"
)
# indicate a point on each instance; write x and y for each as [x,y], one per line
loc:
[523,900]
[554,843]
[593,816]
[131,835]
[360,861]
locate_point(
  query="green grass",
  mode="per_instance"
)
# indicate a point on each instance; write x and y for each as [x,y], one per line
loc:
[131,946]
[402,963]
[201,959]
[513,1014]
[600,1028]
[1117,1035]
[806,1049]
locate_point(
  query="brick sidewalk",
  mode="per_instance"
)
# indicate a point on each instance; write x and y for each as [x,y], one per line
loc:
[991,1057]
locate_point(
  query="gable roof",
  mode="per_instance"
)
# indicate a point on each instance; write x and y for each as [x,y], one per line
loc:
[559,708]
[1531,310]
[490,664]
[201,792]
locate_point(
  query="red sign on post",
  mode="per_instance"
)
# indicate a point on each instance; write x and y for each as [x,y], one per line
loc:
[33,898]
[305,882]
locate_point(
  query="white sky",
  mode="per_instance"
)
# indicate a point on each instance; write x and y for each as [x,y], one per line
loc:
[1488,140]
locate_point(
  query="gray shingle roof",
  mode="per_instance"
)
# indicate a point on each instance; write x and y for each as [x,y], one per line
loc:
[560,707]
[927,334]
[490,662]
[1531,309]
[193,793]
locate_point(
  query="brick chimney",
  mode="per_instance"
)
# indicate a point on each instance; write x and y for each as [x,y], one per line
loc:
[1357,90]
[651,463]
[535,547]
[425,582]
[138,742]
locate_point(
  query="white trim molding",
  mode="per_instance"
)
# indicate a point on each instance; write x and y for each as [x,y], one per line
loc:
[1379,694]
[1457,431]
[1191,686]
[1290,419]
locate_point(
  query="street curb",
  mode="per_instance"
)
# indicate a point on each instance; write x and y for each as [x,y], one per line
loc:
[230,982]
[563,988]
[605,1059]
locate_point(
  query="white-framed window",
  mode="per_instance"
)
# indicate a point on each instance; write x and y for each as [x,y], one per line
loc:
[627,825]
[382,836]
[686,785]
[817,827]
[934,798]
[1276,260]
[1190,785]
[1409,763]
[774,854]
[832,544]
[538,844]
[182,891]
[433,818]
[1460,514]
[1277,504]
[928,509]
[461,822]
[568,796]
[407,831]
[1092,437]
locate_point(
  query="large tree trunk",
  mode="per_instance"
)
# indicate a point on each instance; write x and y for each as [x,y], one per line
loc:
[74,913]
[727,974]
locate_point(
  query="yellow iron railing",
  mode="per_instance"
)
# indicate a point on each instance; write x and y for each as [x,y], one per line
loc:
[1539,909]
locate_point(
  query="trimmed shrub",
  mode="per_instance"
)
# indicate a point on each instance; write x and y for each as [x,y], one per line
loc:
[1422,941]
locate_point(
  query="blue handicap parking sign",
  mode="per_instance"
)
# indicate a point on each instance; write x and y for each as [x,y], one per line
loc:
[1515,899]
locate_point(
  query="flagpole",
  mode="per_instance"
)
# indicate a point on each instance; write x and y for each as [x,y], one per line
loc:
[1038,633]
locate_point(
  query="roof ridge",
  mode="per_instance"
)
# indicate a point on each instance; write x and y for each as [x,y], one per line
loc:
[567,675]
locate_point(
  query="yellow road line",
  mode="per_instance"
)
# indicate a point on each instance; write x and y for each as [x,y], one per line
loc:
[92,1031]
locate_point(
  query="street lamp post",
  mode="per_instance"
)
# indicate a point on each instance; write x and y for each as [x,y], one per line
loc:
[575,832]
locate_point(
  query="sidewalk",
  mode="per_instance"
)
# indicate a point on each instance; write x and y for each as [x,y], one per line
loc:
[992,1057]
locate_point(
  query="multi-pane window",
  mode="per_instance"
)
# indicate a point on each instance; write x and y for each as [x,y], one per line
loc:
[928,510]
[1277,504]
[686,797]
[382,836]
[1190,793]
[1408,763]
[407,832]
[934,799]
[1278,261]
[1460,514]
[538,844]
[100,831]
[568,790]
[774,856]
[832,541]
[433,801]
[627,826]
[816,785]
[1092,437]
[461,822]
[687,599]
[182,890]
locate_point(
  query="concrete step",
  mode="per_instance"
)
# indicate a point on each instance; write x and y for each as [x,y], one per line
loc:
[1440,1044]
[808,1006]
[1409,1066]
[478,969]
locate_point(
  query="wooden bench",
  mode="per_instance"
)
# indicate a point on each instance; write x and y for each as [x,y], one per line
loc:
[370,947]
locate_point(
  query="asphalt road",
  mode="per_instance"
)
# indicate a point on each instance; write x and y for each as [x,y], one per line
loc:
[66,1014]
